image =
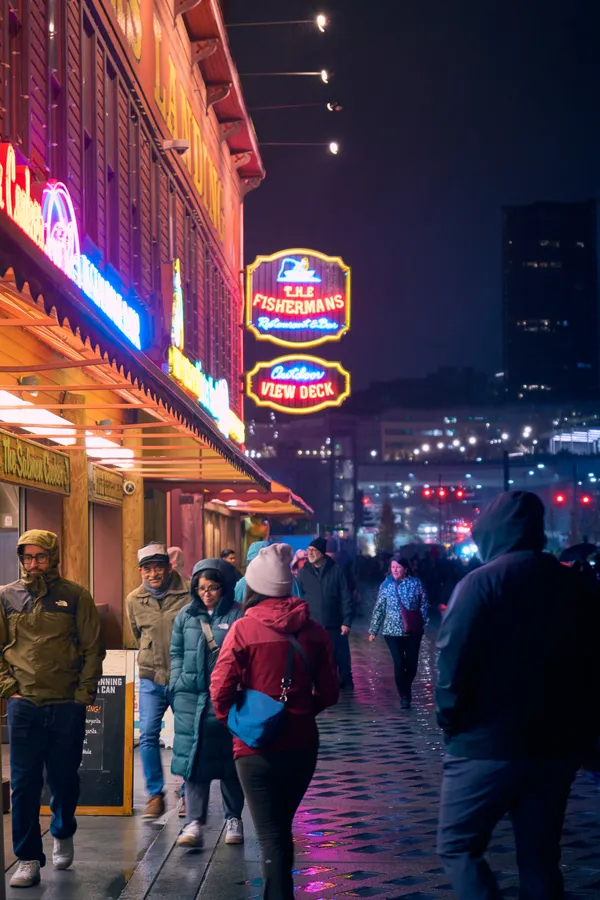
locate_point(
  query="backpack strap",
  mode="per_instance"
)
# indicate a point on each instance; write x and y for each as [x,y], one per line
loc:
[293,639]
[209,636]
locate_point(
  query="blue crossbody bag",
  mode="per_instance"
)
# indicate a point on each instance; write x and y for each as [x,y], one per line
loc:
[256,718]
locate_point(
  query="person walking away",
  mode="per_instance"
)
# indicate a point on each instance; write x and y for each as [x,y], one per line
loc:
[51,653]
[324,586]
[253,551]
[203,748]
[298,562]
[275,777]
[152,608]
[177,560]
[517,699]
[400,613]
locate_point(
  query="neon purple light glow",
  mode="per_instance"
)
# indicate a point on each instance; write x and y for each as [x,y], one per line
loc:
[297,373]
[266,324]
[60,229]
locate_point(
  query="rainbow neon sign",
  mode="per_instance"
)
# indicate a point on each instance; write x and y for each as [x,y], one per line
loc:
[52,226]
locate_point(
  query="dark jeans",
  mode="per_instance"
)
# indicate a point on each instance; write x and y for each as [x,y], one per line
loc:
[476,794]
[274,785]
[405,654]
[341,654]
[197,795]
[44,736]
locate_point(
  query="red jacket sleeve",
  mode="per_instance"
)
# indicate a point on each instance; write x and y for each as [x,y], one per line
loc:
[228,673]
[327,685]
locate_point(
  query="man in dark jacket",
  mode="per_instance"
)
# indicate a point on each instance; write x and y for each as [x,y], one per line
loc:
[517,699]
[323,584]
[51,654]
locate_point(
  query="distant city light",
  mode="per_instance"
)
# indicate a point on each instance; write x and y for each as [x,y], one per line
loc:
[440,446]
[322,22]
[325,76]
[472,440]
[456,443]
[373,452]
[505,436]
[334,148]
[425,448]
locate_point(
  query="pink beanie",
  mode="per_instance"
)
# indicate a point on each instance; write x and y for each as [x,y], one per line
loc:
[269,573]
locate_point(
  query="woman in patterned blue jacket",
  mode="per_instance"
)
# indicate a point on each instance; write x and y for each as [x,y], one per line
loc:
[401,592]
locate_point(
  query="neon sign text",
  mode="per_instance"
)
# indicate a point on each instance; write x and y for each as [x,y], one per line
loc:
[52,226]
[297,373]
[298,298]
[298,384]
[267,324]
[95,286]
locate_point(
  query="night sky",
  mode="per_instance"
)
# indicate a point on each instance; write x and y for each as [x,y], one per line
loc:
[452,108]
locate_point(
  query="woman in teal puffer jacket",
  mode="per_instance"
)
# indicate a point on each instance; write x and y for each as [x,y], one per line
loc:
[202,748]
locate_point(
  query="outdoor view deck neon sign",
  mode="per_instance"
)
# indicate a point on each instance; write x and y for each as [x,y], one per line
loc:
[298,384]
[51,225]
[298,298]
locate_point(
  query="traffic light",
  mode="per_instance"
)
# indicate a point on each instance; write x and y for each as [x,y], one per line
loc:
[460,494]
[560,499]
[441,493]
[427,493]
[586,499]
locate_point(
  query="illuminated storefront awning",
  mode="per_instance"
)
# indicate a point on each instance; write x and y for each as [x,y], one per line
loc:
[278,501]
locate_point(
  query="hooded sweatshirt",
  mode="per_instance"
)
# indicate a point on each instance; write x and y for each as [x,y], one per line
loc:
[518,676]
[253,551]
[255,656]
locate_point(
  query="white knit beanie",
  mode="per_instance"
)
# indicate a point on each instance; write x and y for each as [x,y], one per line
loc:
[270,572]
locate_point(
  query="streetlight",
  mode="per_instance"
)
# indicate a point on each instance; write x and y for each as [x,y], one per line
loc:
[323,74]
[330,107]
[321,21]
[333,146]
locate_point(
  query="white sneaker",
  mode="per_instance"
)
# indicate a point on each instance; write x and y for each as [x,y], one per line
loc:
[234,832]
[191,836]
[63,853]
[27,874]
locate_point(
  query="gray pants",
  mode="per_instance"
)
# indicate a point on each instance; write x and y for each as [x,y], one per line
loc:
[198,792]
[476,794]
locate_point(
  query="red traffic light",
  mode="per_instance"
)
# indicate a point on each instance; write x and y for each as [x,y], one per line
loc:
[427,492]
[460,494]
[560,498]
[442,493]
[586,499]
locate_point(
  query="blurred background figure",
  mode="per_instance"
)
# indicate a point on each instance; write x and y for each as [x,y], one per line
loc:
[178,562]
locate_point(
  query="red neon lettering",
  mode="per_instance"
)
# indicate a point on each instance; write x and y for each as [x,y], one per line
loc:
[290,306]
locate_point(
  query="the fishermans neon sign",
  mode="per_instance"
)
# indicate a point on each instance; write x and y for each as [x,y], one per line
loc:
[52,226]
[298,298]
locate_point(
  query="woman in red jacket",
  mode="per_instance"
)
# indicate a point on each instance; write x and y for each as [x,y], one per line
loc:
[275,777]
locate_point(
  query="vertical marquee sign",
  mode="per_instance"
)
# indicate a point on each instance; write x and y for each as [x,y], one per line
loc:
[298,298]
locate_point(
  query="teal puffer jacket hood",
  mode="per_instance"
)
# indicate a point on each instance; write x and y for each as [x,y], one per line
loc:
[253,551]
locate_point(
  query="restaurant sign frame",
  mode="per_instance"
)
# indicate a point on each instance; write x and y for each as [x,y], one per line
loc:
[298,298]
[32,465]
[298,384]
[104,485]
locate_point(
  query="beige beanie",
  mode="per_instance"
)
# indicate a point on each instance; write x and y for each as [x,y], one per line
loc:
[270,572]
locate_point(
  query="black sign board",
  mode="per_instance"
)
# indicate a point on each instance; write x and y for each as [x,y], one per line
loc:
[106,771]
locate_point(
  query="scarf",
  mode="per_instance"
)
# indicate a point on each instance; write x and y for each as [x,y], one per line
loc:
[39,585]
[161,592]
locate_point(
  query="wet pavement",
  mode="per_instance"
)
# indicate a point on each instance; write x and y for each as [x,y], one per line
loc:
[366,827]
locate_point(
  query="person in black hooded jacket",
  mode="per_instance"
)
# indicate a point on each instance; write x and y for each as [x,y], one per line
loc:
[517,699]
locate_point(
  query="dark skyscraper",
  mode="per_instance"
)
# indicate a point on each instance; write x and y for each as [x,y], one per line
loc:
[551,340]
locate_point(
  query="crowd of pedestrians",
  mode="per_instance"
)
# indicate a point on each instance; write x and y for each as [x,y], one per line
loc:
[247,663]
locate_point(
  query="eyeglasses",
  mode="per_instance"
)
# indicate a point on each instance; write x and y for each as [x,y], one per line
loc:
[38,558]
[214,589]
[154,570]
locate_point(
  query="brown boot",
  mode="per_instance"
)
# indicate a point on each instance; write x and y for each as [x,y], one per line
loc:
[155,807]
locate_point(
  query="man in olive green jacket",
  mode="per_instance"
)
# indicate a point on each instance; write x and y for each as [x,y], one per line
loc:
[152,609]
[51,653]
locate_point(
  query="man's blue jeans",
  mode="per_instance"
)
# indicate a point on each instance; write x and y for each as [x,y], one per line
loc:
[50,736]
[155,699]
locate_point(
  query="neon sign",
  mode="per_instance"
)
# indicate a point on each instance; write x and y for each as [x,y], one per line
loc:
[298,384]
[211,394]
[52,226]
[298,298]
